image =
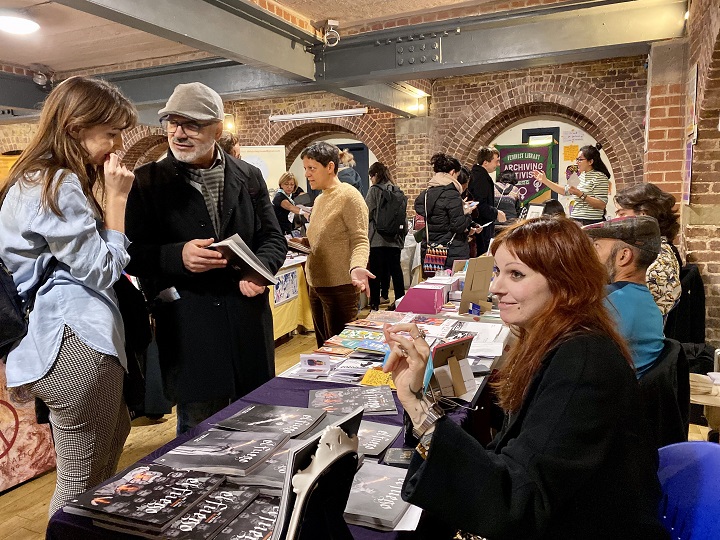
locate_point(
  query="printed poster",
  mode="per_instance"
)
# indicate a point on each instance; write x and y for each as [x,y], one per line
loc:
[524,159]
[26,448]
[287,287]
[269,159]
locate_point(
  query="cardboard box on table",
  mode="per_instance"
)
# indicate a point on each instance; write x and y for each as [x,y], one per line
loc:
[477,284]
[423,298]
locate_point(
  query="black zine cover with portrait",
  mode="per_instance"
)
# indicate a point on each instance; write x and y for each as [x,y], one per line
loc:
[292,421]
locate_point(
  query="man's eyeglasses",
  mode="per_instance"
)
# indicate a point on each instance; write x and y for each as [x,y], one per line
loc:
[191,127]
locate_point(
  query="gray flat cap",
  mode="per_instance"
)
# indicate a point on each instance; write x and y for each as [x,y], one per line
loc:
[640,231]
[194,101]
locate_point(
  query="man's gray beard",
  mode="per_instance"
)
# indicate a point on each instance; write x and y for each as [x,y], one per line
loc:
[197,152]
[610,269]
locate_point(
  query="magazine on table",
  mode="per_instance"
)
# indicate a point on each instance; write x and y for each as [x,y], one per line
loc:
[206,519]
[375,499]
[146,497]
[241,257]
[256,521]
[291,421]
[236,453]
[270,476]
[375,437]
[374,399]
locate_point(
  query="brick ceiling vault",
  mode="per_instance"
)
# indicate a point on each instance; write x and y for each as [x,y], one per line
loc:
[590,108]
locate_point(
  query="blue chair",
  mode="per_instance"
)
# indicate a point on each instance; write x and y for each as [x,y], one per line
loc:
[689,474]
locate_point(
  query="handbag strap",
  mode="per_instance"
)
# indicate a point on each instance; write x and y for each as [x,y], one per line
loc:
[32,292]
[427,225]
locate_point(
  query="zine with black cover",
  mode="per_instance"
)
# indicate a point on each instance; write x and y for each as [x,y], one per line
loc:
[375,400]
[236,453]
[399,457]
[147,497]
[203,521]
[291,421]
[270,476]
[375,499]
[375,437]
[256,521]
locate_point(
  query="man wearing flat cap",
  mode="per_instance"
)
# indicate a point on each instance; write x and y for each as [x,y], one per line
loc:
[627,246]
[214,326]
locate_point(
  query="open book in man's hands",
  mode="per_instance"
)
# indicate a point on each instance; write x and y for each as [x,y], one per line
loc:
[241,257]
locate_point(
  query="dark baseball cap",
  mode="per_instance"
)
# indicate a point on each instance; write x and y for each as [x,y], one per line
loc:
[642,232]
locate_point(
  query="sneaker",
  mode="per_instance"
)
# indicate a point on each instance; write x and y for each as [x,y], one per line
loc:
[384,301]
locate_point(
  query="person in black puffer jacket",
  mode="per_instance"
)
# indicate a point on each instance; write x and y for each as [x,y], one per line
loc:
[447,218]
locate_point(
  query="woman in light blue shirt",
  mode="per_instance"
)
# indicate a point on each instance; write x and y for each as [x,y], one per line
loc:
[65,199]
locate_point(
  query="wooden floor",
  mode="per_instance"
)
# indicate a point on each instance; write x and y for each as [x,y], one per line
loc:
[23,510]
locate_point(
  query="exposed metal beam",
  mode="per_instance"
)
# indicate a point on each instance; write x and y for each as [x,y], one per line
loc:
[603,30]
[387,98]
[208,27]
[20,92]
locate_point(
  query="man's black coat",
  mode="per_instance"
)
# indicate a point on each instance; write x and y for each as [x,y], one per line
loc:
[214,342]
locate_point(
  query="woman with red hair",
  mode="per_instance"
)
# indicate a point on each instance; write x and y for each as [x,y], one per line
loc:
[572,459]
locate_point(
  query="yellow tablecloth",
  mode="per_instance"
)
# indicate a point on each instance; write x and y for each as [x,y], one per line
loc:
[296,312]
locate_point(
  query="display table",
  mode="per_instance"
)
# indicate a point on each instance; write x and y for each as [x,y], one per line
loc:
[278,391]
[289,300]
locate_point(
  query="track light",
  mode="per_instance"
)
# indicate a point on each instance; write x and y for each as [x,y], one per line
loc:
[318,114]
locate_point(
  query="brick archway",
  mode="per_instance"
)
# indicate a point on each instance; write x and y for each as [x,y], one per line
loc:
[140,142]
[560,95]
[296,135]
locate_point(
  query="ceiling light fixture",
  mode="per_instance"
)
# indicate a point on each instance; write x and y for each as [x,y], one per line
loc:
[17,24]
[318,114]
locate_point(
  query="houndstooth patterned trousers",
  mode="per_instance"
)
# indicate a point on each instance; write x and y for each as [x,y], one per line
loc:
[88,415]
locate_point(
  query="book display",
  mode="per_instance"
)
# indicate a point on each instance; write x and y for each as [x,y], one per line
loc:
[291,421]
[207,518]
[236,453]
[146,497]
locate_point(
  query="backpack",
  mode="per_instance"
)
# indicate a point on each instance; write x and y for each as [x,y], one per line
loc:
[13,314]
[391,213]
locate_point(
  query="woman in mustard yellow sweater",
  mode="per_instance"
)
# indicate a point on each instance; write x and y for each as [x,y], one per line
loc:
[338,241]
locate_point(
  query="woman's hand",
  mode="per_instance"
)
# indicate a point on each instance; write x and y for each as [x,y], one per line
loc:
[572,190]
[407,361]
[118,179]
[540,176]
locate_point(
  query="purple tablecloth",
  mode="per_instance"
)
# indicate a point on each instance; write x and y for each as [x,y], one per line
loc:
[278,391]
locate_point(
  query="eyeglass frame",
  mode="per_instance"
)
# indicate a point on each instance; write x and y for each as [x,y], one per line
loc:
[182,125]
[581,159]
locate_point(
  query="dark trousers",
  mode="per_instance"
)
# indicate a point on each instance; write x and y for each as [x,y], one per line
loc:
[332,308]
[384,262]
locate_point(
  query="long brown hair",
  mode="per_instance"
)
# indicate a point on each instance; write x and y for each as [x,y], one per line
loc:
[76,103]
[559,250]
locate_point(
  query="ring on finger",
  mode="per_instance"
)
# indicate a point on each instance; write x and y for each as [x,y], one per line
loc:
[420,334]
[403,350]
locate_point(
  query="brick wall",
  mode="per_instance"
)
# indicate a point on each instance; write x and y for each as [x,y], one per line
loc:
[16,136]
[702,217]
[605,98]
[463,9]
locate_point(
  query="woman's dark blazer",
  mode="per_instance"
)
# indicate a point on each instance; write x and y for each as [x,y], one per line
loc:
[572,463]
[214,343]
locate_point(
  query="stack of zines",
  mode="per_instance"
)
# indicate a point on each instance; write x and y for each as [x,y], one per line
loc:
[236,453]
[291,421]
[375,499]
[375,400]
[158,501]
